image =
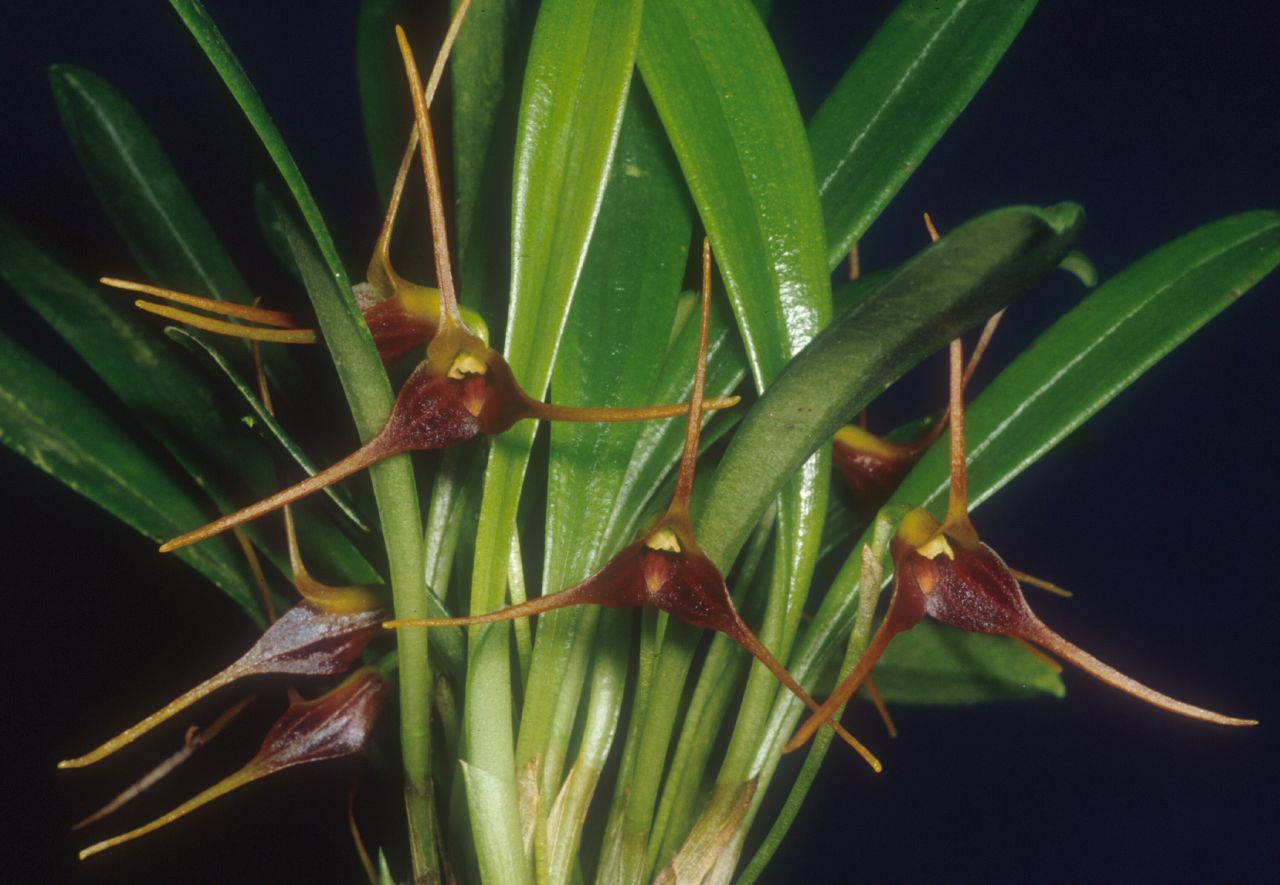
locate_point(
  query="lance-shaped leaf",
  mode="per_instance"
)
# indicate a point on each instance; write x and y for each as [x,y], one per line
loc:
[728,109]
[949,287]
[944,571]
[332,726]
[305,641]
[173,401]
[69,436]
[139,188]
[1110,339]
[144,197]
[202,347]
[896,100]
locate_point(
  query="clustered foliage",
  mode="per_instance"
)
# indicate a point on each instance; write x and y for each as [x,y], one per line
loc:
[637,128]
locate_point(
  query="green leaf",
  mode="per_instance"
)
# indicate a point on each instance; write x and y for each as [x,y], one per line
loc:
[401,520]
[574,93]
[601,475]
[901,94]
[140,190]
[731,116]
[1101,347]
[951,286]
[380,75]
[728,109]
[936,664]
[147,201]
[631,281]
[68,436]
[228,67]
[369,396]
[173,402]
[485,82]
[198,344]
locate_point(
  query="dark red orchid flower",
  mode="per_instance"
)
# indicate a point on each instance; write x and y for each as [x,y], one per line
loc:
[305,641]
[943,571]
[665,569]
[462,389]
[334,725]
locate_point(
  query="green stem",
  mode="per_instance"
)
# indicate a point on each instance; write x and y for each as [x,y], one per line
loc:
[369,396]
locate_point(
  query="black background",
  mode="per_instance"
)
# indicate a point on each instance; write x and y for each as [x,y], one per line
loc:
[1154,117]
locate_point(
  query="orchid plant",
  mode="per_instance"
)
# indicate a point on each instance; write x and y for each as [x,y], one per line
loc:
[614,737]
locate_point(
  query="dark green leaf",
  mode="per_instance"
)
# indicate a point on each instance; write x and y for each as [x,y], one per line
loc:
[1101,347]
[935,664]
[174,402]
[384,109]
[902,93]
[485,83]
[369,396]
[65,434]
[199,345]
[951,286]
[135,182]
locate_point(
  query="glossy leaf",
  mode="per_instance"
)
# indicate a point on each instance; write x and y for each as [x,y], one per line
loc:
[951,286]
[728,109]
[904,90]
[1117,332]
[575,88]
[631,281]
[936,664]
[140,190]
[1101,347]
[67,435]
[729,112]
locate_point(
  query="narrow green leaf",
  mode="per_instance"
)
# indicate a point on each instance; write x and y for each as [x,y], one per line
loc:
[370,399]
[904,90]
[936,664]
[1101,347]
[631,281]
[401,520]
[728,109]
[140,190]
[173,402]
[199,345]
[485,84]
[949,287]
[872,556]
[954,284]
[147,201]
[380,75]
[68,436]
[228,67]
[575,87]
